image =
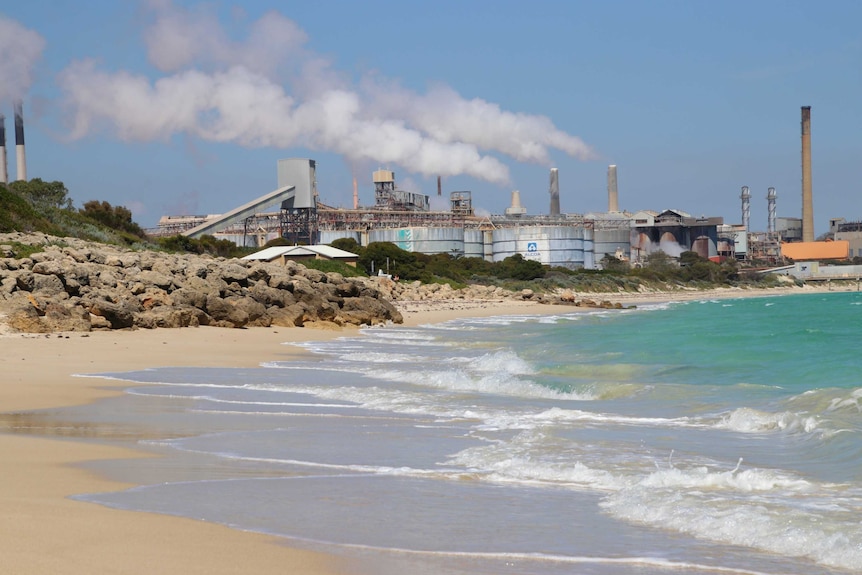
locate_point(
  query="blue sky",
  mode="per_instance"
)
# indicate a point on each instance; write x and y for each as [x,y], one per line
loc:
[171,107]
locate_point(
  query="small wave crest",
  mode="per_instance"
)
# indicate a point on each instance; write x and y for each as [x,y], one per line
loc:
[756,508]
[747,420]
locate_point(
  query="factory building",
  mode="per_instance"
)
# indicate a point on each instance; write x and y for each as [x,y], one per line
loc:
[674,232]
[851,232]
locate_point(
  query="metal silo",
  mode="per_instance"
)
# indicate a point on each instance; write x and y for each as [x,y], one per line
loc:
[610,241]
[556,246]
[474,244]
[589,247]
[422,240]
[329,236]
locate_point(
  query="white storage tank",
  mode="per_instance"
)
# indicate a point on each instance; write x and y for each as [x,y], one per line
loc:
[474,244]
[556,246]
[422,240]
[609,241]
[328,236]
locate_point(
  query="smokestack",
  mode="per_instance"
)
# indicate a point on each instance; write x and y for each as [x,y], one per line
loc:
[439,187]
[746,207]
[516,209]
[770,199]
[555,192]
[613,197]
[4,178]
[807,199]
[20,154]
[355,194]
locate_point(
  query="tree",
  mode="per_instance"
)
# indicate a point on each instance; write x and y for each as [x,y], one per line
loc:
[348,245]
[43,194]
[689,258]
[613,264]
[381,255]
[115,217]
[516,267]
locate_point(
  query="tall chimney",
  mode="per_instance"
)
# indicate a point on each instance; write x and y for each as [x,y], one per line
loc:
[746,207]
[439,186]
[20,154]
[807,199]
[613,197]
[770,200]
[555,192]
[4,178]
[516,209]
[355,194]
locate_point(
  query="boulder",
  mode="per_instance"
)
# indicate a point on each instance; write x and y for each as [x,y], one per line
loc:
[171,317]
[118,315]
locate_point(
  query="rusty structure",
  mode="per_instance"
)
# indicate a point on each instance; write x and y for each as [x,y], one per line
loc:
[807,198]
[387,196]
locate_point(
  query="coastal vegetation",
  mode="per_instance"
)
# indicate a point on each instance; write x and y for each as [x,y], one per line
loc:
[46,207]
[659,271]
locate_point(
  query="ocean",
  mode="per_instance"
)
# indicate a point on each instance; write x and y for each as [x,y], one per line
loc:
[715,436]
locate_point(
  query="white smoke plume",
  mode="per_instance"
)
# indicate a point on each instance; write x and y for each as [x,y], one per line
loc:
[20,49]
[272,91]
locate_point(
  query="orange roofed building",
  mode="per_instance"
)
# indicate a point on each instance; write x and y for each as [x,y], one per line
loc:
[830,250]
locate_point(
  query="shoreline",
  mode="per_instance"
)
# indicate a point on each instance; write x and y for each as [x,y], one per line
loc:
[436,311]
[44,531]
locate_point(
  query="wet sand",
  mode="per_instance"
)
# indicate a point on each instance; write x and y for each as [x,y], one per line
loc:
[42,531]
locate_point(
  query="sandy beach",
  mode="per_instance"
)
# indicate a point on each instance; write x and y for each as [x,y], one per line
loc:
[43,531]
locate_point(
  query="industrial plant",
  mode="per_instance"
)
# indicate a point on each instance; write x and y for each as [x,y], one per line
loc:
[294,211]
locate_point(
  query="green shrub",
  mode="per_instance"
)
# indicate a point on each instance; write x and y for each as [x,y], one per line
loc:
[327,266]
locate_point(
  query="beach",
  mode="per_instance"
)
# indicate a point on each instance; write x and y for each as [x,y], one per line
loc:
[44,531]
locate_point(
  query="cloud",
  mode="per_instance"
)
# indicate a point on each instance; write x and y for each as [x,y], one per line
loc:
[448,117]
[20,49]
[270,90]
[180,38]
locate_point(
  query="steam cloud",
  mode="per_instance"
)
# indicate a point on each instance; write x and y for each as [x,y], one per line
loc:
[272,91]
[20,49]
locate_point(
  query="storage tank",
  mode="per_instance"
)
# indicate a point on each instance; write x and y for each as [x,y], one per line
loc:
[474,244]
[329,236]
[556,246]
[589,255]
[608,241]
[422,240]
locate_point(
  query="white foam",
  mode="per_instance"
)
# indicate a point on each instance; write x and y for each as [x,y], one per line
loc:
[747,420]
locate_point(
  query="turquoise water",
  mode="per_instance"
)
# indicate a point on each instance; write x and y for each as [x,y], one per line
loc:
[697,437]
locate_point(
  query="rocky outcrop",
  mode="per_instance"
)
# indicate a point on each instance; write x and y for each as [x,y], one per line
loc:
[72,285]
[418,292]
